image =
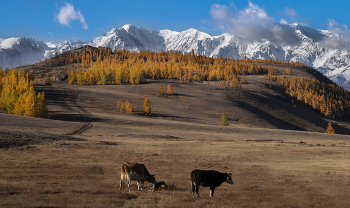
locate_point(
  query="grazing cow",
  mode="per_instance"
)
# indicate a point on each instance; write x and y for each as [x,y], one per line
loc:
[208,178]
[159,186]
[135,172]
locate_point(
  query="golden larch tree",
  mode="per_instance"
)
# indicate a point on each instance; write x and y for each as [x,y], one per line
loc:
[48,80]
[41,110]
[330,129]
[147,108]
[224,121]
[128,107]
[122,108]
[169,90]
[161,89]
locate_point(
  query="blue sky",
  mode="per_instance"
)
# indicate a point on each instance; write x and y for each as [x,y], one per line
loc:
[45,20]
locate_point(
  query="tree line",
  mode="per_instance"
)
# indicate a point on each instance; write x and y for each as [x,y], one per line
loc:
[330,100]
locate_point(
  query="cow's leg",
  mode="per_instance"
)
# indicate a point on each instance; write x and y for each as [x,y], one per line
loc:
[193,188]
[121,181]
[212,188]
[142,182]
[129,182]
[138,185]
[197,189]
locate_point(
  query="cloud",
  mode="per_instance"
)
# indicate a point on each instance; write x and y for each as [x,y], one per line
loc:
[252,24]
[67,14]
[283,21]
[290,12]
[341,40]
[51,34]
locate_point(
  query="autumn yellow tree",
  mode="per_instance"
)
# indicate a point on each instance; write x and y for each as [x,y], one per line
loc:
[118,104]
[48,80]
[122,107]
[128,107]
[330,129]
[224,121]
[30,103]
[147,107]
[41,110]
[161,89]
[169,90]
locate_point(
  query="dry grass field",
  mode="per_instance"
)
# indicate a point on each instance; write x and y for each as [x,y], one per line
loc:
[271,168]
[278,153]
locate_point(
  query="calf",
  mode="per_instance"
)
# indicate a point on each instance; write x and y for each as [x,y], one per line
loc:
[159,186]
[136,172]
[208,178]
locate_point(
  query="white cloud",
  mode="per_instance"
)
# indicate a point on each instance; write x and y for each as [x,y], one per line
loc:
[290,12]
[283,21]
[341,41]
[67,14]
[252,24]
[51,34]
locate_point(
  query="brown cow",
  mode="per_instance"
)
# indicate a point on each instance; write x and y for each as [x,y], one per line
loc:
[135,172]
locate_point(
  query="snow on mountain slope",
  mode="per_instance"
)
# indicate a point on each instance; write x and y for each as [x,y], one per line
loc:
[62,47]
[20,51]
[334,63]
[130,38]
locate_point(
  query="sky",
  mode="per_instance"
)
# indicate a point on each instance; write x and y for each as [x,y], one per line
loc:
[56,21]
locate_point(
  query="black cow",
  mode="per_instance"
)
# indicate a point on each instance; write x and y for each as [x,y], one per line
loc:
[208,178]
[159,186]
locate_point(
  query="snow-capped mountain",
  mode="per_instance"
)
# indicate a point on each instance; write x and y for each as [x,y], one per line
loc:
[334,63]
[21,51]
[62,47]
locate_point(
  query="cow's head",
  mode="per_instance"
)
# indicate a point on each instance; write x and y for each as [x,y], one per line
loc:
[152,179]
[229,178]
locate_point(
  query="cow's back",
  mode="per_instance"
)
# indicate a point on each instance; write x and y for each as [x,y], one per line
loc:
[206,177]
[136,171]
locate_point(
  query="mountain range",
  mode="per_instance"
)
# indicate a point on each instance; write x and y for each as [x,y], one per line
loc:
[332,62]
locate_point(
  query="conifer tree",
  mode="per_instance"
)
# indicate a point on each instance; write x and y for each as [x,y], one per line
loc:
[48,80]
[119,104]
[19,107]
[122,108]
[128,107]
[161,89]
[224,121]
[30,103]
[169,90]
[41,110]
[147,108]
[330,129]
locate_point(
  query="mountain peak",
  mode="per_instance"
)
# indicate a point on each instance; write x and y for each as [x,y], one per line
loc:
[128,27]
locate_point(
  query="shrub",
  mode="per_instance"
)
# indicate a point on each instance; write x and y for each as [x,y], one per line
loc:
[224,121]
